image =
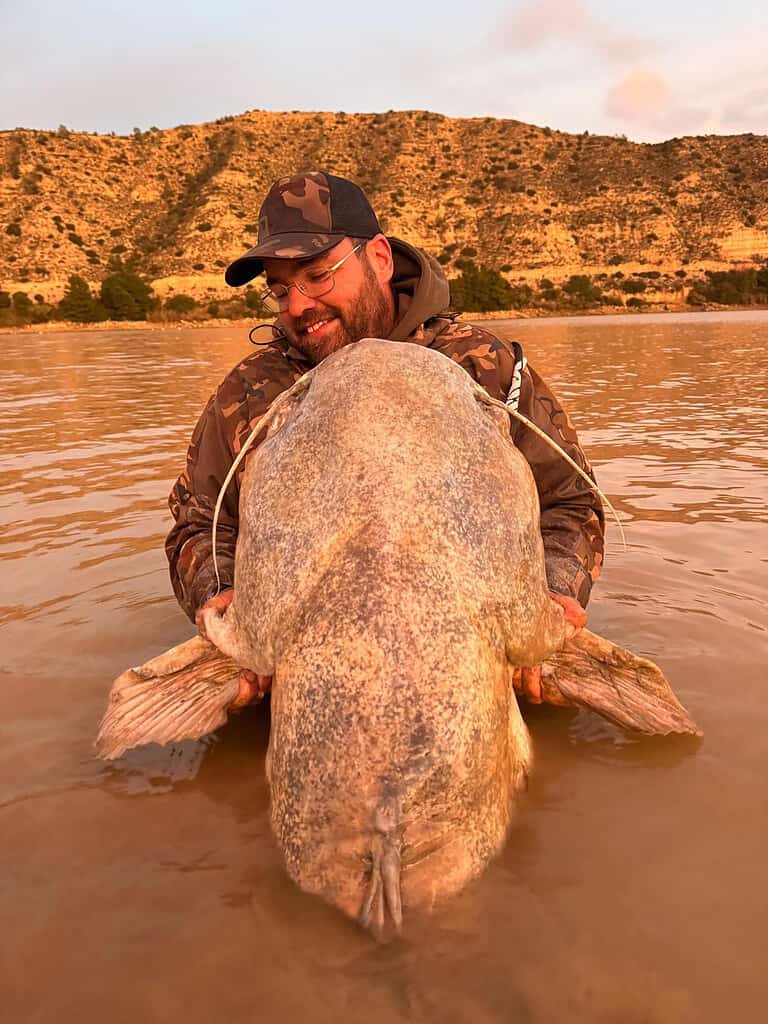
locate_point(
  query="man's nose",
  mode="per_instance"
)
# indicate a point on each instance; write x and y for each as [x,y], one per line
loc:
[298,303]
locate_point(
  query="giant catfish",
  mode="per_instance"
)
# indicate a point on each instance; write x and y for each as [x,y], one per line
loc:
[389,575]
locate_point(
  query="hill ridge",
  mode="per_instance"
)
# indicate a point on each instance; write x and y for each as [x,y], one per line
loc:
[178,204]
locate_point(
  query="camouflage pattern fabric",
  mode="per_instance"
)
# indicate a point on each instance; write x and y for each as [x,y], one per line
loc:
[302,216]
[572,522]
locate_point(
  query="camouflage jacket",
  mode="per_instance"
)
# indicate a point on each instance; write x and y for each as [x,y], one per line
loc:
[571,514]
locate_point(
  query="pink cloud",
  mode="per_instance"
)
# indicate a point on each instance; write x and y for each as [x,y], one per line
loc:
[538,24]
[638,97]
[645,99]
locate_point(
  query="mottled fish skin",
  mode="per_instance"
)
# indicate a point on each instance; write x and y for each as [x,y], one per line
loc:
[572,523]
[389,571]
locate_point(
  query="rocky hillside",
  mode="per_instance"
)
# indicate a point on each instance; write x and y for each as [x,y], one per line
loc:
[179,204]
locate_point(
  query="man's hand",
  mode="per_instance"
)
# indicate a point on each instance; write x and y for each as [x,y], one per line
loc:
[575,615]
[220,603]
[527,681]
[253,687]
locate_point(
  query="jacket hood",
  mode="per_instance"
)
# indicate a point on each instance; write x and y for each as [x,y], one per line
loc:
[420,287]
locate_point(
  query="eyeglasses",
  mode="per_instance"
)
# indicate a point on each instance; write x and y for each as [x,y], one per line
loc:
[313,284]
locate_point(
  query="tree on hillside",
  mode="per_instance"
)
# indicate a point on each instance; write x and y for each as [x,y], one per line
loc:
[479,289]
[22,304]
[78,304]
[581,290]
[125,296]
[180,303]
[255,304]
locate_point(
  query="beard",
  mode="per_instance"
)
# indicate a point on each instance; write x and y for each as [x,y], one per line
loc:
[369,315]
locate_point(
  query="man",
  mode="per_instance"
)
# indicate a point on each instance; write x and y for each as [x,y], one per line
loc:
[335,278]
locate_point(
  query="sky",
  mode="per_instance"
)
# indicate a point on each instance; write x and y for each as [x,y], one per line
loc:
[650,70]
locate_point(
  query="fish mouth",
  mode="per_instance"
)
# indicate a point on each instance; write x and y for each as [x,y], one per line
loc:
[415,853]
[382,908]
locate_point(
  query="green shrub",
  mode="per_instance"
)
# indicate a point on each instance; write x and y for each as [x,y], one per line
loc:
[75,239]
[78,305]
[5,300]
[479,289]
[29,183]
[581,290]
[254,303]
[125,296]
[180,304]
[14,229]
[40,314]
[22,304]
[632,287]
[733,287]
[204,227]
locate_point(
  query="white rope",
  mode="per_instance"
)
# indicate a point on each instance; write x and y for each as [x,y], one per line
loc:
[510,407]
[485,397]
[261,423]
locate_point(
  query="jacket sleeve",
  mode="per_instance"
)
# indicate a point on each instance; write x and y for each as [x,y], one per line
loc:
[192,501]
[245,395]
[572,520]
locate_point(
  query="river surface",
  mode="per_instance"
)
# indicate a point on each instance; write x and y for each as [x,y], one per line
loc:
[634,886]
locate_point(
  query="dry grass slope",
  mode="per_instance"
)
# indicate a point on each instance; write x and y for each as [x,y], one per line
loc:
[181,203]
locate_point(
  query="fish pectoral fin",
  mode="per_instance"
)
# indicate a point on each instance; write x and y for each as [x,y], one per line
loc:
[631,691]
[181,695]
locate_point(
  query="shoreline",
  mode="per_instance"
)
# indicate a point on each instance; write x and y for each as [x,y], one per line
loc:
[64,326]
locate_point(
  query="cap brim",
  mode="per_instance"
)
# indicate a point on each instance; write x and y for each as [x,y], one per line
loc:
[289,246]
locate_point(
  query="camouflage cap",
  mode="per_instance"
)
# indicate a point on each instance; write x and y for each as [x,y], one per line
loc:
[302,216]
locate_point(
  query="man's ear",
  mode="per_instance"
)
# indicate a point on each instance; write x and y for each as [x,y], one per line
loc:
[379,254]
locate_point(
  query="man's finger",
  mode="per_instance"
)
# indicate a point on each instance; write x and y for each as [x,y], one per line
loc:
[218,604]
[249,691]
[575,615]
[252,689]
[531,684]
[517,680]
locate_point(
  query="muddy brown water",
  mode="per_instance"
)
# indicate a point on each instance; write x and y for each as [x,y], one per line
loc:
[633,886]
